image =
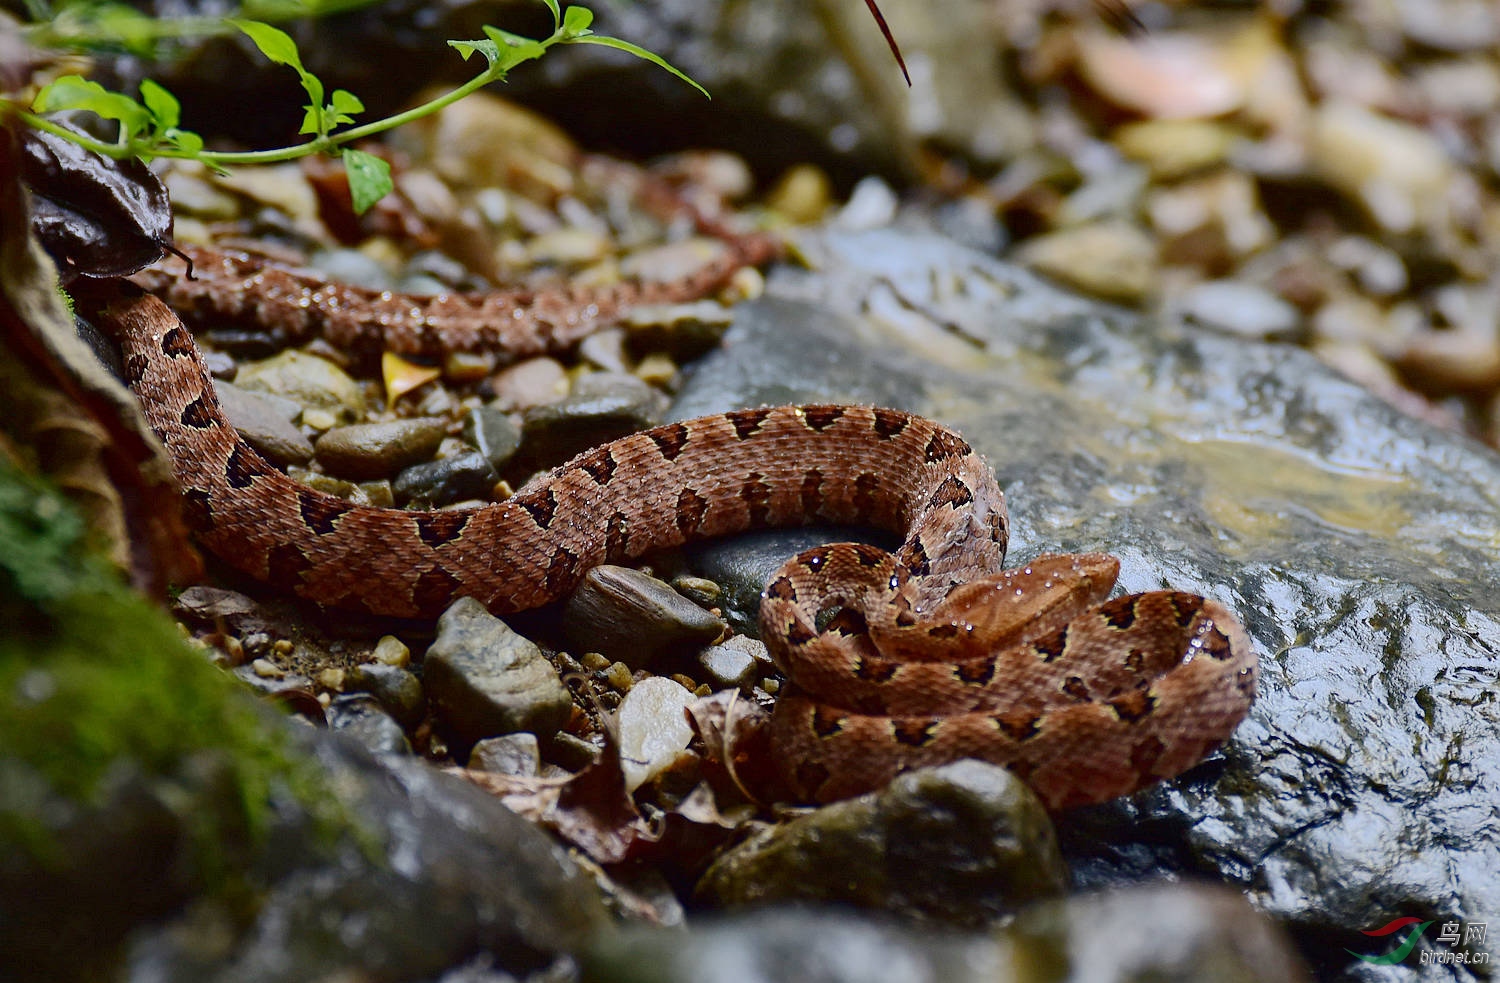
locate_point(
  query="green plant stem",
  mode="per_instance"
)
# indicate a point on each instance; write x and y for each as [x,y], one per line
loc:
[276,155]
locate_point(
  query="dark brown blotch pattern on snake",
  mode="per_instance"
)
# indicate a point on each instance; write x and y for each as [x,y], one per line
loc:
[851,717]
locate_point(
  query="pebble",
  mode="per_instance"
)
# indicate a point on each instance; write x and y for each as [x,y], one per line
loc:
[266,669]
[313,383]
[653,729]
[391,651]
[1173,149]
[568,247]
[362,718]
[397,690]
[1396,170]
[1454,360]
[1113,260]
[721,172]
[319,419]
[1240,309]
[447,480]
[736,664]
[282,186]
[699,590]
[1163,76]
[352,267]
[435,265]
[631,616]
[192,195]
[684,331]
[327,484]
[484,680]
[464,367]
[658,371]
[671,262]
[871,205]
[483,141]
[378,493]
[495,434]
[965,844]
[265,421]
[802,194]
[508,754]
[1209,223]
[534,382]
[602,407]
[373,450]
[606,349]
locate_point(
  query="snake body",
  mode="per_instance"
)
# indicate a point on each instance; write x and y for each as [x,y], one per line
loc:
[895,660]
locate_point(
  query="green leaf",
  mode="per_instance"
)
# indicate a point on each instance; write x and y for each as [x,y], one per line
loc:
[184,140]
[76,92]
[576,21]
[273,42]
[519,48]
[639,52]
[166,111]
[489,49]
[312,120]
[344,101]
[556,14]
[369,179]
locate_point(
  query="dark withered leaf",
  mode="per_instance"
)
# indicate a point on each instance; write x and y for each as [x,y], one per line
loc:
[96,216]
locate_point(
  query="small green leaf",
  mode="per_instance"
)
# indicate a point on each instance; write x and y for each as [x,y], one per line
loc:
[369,179]
[576,21]
[556,14]
[519,48]
[76,92]
[184,140]
[166,111]
[489,49]
[639,52]
[312,120]
[273,42]
[344,101]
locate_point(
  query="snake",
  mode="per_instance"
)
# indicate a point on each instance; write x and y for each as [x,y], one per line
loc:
[894,660]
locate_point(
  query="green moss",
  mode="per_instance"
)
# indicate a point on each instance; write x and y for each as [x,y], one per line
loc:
[93,678]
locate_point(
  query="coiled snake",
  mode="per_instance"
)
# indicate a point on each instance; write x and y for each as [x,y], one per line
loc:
[895,660]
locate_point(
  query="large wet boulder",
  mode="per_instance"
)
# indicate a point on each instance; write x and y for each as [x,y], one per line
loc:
[1359,546]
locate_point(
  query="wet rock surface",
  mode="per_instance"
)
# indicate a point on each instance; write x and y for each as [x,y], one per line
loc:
[430,872]
[455,872]
[1112,937]
[1362,783]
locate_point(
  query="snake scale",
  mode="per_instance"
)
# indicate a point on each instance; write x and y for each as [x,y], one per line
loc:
[895,660]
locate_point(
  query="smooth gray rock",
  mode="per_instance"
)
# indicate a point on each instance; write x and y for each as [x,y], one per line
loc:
[484,680]
[493,433]
[1360,547]
[447,480]
[265,421]
[736,664]
[631,616]
[600,408]
[508,754]
[377,450]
